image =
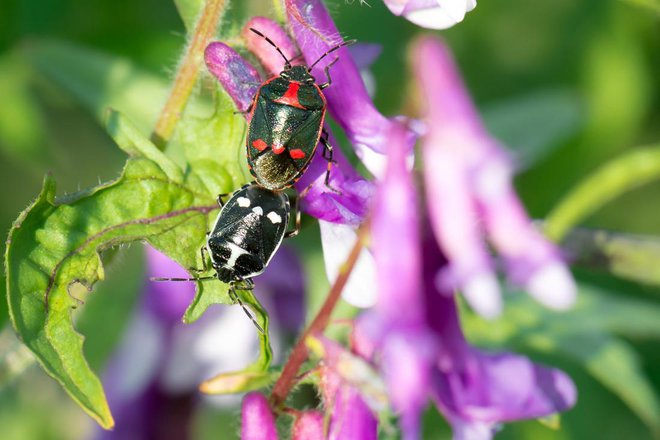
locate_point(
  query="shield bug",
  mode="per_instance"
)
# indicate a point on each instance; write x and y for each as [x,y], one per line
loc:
[286,123]
[247,232]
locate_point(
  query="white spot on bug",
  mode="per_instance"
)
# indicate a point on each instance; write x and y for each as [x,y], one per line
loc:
[274,217]
[236,251]
[243,202]
[258,210]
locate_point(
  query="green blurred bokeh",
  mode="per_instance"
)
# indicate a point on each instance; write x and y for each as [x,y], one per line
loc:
[568,84]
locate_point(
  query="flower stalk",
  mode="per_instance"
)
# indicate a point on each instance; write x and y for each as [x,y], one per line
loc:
[186,76]
[289,375]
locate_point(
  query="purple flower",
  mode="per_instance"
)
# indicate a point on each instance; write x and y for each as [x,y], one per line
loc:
[477,390]
[348,100]
[415,330]
[351,418]
[471,198]
[432,14]
[397,324]
[239,79]
[257,419]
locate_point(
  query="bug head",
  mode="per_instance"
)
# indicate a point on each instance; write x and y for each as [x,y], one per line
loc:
[298,74]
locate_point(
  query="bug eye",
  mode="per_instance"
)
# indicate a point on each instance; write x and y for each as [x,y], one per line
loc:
[284,74]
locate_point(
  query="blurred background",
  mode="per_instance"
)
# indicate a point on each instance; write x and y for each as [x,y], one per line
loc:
[568,85]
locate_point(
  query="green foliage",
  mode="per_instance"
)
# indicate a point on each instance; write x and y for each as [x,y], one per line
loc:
[613,179]
[100,81]
[535,125]
[56,243]
[22,131]
[189,10]
[590,335]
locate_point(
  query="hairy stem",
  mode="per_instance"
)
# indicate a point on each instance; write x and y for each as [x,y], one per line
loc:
[186,76]
[298,355]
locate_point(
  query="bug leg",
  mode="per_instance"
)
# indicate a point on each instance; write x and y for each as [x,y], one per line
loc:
[205,267]
[296,229]
[210,277]
[327,74]
[248,285]
[327,155]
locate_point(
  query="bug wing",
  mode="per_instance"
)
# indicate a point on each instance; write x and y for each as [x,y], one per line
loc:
[282,139]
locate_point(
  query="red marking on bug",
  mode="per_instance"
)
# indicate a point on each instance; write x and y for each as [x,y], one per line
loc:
[278,149]
[297,154]
[259,144]
[290,97]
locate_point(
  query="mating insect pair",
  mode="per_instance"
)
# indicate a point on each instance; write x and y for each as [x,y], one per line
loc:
[286,125]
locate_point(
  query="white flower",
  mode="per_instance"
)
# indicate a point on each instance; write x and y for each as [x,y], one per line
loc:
[432,14]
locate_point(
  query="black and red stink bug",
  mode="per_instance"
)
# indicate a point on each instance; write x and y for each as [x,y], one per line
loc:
[286,123]
[247,232]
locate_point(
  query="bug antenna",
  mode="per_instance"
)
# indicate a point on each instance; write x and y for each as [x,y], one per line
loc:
[287,64]
[234,296]
[340,45]
[210,277]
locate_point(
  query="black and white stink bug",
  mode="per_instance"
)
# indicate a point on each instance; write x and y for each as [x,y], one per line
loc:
[286,123]
[247,232]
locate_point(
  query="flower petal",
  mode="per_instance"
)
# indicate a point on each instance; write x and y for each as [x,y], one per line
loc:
[351,418]
[267,54]
[345,201]
[257,420]
[238,77]
[501,388]
[476,390]
[396,239]
[486,181]
[434,14]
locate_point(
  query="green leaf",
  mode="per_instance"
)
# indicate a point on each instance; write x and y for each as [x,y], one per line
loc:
[22,131]
[650,5]
[189,10]
[615,364]
[239,381]
[213,143]
[628,256]
[622,174]
[55,244]
[533,126]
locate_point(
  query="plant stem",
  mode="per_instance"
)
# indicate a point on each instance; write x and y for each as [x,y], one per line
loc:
[186,76]
[298,355]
